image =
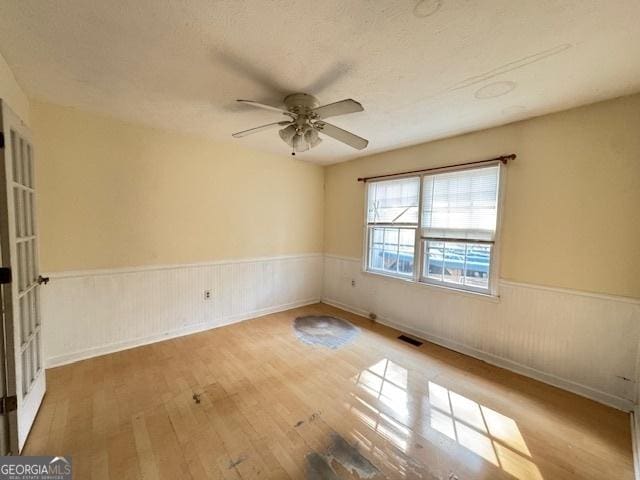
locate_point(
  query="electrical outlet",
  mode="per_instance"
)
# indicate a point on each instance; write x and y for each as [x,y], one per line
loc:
[353,283]
[207,294]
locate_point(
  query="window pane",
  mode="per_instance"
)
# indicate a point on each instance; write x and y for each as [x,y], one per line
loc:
[466,265]
[391,250]
[390,259]
[454,261]
[434,260]
[478,260]
[391,236]
[375,261]
[393,201]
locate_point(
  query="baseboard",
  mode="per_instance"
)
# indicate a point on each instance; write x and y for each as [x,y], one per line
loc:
[635,431]
[579,389]
[344,306]
[180,332]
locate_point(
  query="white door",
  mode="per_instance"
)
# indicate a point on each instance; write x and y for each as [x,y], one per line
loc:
[24,377]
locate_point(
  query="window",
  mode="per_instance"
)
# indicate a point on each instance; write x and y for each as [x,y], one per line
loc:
[453,215]
[392,219]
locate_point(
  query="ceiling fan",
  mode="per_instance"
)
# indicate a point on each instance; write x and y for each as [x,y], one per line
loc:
[306,121]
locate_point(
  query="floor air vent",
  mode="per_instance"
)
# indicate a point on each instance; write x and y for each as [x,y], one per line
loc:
[412,341]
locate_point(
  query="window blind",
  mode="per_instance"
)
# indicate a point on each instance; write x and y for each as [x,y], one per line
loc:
[461,204]
[393,201]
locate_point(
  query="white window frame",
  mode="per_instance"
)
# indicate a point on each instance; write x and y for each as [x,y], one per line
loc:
[418,276]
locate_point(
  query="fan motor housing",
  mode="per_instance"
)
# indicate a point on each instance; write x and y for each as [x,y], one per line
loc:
[300,103]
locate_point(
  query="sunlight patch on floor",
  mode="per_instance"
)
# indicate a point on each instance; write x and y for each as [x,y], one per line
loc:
[490,435]
[487,433]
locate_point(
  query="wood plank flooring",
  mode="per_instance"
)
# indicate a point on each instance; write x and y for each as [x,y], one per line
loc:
[252,401]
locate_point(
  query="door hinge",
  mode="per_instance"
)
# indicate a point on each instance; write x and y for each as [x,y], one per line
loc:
[5,275]
[1,139]
[8,404]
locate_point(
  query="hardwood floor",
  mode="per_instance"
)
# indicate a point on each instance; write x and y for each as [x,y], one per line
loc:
[252,401]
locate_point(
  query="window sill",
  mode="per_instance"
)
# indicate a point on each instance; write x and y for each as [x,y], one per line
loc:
[440,288]
[379,273]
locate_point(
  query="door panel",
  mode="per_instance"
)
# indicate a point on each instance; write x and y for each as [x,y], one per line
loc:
[21,298]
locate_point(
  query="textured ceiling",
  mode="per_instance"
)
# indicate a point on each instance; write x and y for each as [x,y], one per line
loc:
[422,69]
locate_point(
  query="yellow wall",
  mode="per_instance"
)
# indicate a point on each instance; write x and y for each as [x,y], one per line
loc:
[572,200]
[113,194]
[11,93]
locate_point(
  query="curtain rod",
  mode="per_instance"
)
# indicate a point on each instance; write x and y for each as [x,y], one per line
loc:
[503,158]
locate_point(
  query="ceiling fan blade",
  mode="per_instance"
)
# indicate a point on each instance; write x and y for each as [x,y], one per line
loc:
[245,67]
[268,126]
[338,108]
[328,78]
[341,135]
[265,106]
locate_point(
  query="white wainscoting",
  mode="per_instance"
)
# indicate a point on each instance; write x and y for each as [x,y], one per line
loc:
[90,313]
[577,341]
[580,342]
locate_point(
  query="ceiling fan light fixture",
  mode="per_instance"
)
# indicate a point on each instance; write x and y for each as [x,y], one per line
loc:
[299,143]
[312,138]
[287,134]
